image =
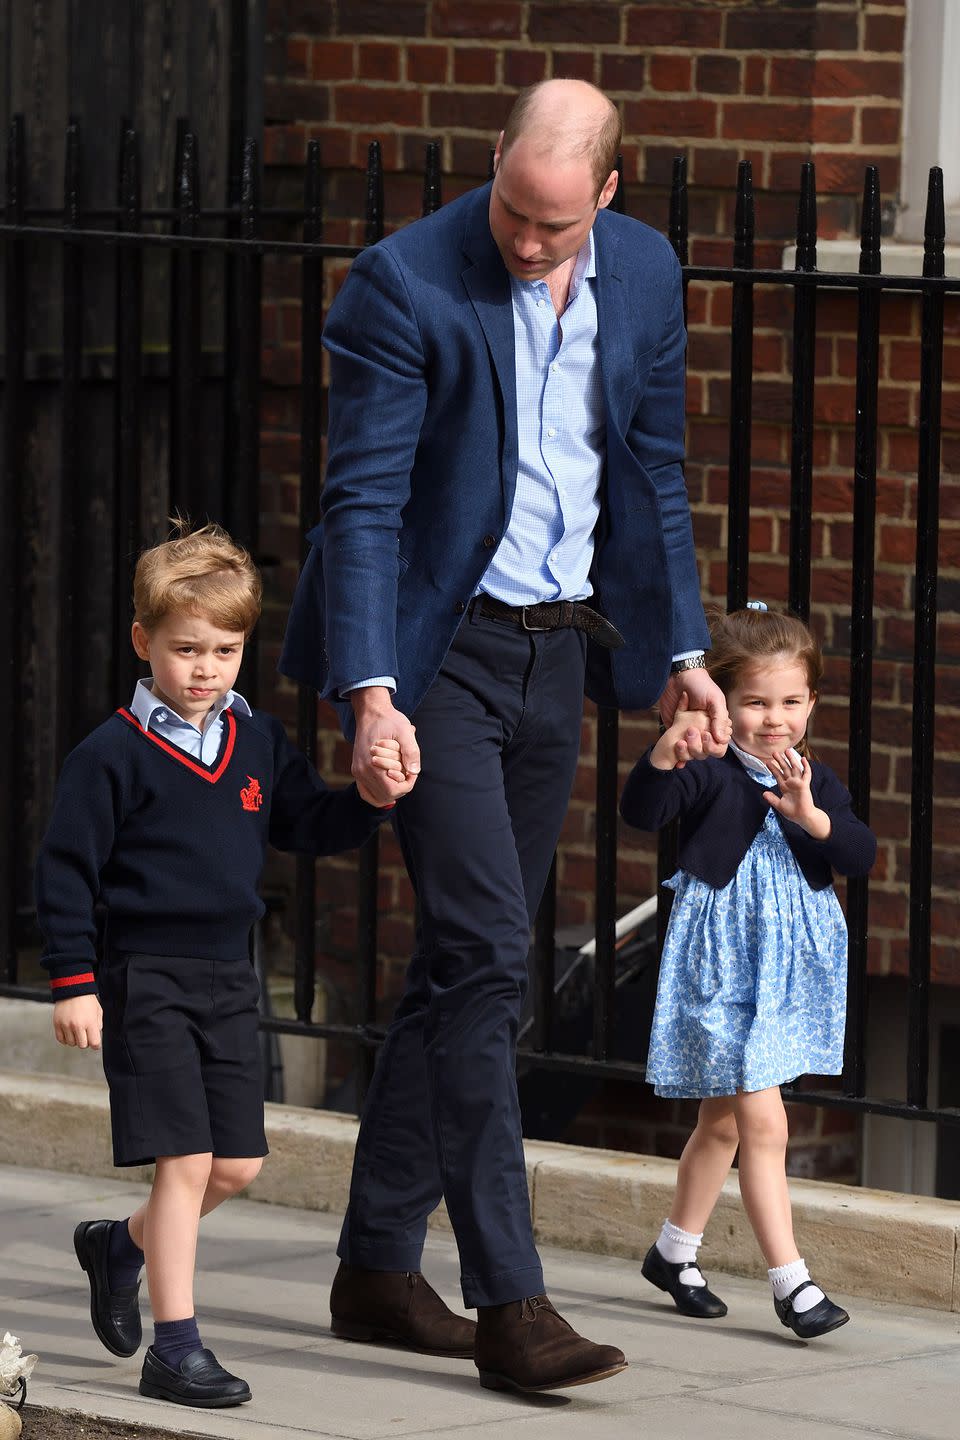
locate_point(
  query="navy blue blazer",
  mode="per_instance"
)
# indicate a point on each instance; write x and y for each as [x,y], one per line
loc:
[422,460]
[722,811]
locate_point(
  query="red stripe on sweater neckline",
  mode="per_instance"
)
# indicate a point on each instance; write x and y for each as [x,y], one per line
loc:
[211,776]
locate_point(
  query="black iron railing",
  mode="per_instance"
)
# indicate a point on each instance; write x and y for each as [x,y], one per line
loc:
[186,364]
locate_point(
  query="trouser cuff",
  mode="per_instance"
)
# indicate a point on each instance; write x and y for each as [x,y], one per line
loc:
[379,1255]
[503,1287]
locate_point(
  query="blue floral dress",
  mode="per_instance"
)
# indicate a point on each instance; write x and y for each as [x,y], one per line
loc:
[752,987]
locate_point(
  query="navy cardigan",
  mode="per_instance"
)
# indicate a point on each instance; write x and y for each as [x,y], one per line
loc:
[722,810]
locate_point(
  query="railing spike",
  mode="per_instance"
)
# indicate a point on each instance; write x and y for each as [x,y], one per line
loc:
[679,219]
[373,230]
[807,218]
[313,194]
[432,197]
[186,189]
[744,222]
[249,189]
[72,175]
[121,142]
[16,197]
[129,187]
[934,225]
[870,259]
[616,204]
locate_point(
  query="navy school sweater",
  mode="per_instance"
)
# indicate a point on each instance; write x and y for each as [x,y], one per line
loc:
[173,847]
[722,811]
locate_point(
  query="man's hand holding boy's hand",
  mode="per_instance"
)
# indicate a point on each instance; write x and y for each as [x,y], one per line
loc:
[78,1021]
[379,724]
[689,737]
[393,781]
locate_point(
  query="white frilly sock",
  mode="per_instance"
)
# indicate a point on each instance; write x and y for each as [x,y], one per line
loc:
[676,1245]
[786,1278]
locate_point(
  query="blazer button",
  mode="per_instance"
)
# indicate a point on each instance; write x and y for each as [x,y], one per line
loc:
[489,541]
[459,608]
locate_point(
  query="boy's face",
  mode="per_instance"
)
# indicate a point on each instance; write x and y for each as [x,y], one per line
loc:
[193,662]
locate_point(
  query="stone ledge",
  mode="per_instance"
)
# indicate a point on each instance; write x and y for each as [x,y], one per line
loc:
[873,1243]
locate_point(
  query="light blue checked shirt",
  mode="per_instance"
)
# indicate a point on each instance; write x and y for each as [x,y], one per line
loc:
[203,745]
[547,550]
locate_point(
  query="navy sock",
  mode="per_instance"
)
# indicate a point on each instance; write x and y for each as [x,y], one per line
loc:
[124,1258]
[174,1340]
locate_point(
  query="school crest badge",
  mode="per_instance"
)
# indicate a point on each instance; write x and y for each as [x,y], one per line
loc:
[251,796]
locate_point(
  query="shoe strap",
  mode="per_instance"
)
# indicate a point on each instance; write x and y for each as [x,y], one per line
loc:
[804,1285]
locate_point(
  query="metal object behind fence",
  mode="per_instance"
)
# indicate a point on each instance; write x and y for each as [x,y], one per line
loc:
[195,376]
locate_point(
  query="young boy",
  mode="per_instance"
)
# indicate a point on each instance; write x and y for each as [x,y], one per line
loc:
[163,814]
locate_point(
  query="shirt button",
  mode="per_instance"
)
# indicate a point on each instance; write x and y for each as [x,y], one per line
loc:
[551,432]
[489,541]
[540,304]
[555,366]
[459,608]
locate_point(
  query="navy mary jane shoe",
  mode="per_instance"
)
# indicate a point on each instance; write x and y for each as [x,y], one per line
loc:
[696,1300]
[820,1319]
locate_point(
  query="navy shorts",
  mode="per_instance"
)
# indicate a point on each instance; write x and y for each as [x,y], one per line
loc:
[181,1055]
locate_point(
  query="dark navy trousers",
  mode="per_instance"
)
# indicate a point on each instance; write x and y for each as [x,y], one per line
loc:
[499,734]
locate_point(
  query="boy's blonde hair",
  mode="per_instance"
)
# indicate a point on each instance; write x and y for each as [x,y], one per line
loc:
[201,572]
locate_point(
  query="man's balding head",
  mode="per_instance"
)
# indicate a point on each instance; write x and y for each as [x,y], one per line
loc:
[568,120]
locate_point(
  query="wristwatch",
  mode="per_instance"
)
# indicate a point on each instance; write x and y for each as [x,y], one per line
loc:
[692,662]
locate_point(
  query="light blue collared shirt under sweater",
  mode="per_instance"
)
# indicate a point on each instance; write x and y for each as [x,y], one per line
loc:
[203,745]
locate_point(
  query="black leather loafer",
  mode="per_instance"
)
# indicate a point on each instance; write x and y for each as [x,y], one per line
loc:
[199,1380]
[820,1319]
[695,1300]
[115,1314]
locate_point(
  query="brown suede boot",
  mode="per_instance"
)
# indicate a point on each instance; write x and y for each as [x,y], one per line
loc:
[528,1346]
[397,1308]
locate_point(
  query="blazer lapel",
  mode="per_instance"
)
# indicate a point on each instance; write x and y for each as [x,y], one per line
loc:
[614,334]
[488,285]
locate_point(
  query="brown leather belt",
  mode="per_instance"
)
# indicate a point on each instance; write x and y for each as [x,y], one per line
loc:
[552,615]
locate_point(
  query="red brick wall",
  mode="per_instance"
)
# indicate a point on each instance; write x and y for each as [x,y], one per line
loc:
[720,82]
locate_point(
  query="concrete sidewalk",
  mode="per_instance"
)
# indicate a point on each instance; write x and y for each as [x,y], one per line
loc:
[265,1273]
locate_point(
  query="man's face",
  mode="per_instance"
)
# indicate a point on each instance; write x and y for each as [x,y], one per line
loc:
[541,211]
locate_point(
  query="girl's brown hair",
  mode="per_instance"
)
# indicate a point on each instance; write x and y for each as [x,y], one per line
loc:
[200,572]
[746,639]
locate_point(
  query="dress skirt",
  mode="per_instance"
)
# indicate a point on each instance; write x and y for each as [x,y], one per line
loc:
[752,988]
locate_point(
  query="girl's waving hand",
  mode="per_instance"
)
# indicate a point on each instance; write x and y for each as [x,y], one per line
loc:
[795,801]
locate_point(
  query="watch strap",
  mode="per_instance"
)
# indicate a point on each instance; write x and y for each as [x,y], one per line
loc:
[691,662]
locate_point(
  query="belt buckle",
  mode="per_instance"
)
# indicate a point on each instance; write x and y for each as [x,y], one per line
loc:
[534,629]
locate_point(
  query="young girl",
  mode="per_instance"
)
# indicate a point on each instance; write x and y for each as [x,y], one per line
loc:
[753,976]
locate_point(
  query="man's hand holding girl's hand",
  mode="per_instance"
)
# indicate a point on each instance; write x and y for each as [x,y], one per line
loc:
[701,693]
[690,736]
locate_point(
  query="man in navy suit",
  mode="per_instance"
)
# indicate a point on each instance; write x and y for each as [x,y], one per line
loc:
[505,522]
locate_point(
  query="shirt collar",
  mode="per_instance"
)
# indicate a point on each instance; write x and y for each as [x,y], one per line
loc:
[585,268]
[750,762]
[145,706]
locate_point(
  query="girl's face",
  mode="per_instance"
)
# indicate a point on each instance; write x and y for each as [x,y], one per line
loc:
[770,708]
